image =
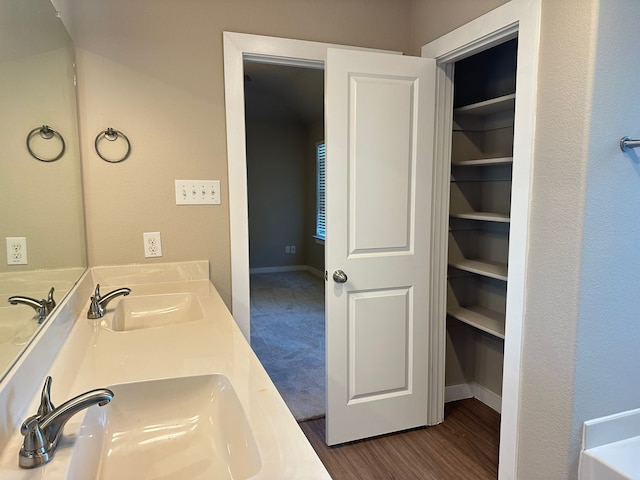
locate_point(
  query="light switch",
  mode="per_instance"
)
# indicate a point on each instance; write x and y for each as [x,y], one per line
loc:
[197,192]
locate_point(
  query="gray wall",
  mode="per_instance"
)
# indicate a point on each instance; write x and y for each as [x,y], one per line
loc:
[276,181]
[281,181]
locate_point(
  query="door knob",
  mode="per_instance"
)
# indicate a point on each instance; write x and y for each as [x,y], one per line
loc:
[339,276]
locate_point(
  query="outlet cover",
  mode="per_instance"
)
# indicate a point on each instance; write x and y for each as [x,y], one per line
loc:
[152,244]
[16,250]
[197,192]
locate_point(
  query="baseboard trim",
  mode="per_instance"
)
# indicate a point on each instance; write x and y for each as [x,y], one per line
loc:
[473,390]
[458,392]
[287,268]
[315,271]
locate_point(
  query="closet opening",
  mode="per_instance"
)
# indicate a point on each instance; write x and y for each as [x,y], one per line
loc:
[481,168]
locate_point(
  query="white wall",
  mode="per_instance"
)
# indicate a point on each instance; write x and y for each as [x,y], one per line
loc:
[581,339]
[607,378]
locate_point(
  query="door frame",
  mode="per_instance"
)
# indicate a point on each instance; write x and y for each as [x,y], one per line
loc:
[258,48]
[521,17]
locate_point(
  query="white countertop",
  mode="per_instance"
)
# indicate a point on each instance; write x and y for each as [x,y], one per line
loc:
[610,447]
[613,461]
[94,357]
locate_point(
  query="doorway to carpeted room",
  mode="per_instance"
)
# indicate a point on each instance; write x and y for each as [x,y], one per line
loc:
[288,336]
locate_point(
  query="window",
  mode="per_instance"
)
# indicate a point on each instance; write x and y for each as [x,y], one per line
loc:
[320,188]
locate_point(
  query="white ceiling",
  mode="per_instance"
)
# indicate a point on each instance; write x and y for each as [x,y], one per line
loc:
[283,93]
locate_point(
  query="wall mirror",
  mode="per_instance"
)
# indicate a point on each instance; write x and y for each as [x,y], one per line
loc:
[40,201]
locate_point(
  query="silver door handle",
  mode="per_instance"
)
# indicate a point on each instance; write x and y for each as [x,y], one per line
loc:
[339,276]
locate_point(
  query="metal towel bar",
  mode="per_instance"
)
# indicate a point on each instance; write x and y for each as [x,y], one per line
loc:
[626,143]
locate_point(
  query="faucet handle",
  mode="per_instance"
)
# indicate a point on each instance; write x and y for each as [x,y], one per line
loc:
[34,438]
[45,399]
[34,450]
[97,293]
[95,310]
[50,301]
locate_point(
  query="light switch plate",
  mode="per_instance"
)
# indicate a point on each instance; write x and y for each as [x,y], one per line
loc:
[16,250]
[197,192]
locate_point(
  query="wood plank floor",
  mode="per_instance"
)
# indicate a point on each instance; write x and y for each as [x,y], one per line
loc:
[464,446]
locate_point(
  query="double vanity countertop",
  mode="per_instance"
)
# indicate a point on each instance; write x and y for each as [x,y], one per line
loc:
[94,356]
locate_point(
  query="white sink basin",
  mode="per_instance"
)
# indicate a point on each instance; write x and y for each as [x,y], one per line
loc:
[150,311]
[180,428]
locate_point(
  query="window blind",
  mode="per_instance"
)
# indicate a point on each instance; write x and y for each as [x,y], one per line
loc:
[320,213]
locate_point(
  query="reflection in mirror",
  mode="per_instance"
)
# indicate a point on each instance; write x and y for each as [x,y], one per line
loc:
[41,213]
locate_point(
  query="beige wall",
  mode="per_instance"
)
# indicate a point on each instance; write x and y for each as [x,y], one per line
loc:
[41,201]
[153,69]
[431,19]
[557,204]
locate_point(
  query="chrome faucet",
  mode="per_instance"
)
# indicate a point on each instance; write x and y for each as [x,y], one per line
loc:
[43,307]
[99,303]
[43,431]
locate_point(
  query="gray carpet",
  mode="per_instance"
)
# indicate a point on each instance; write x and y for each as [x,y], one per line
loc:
[287,334]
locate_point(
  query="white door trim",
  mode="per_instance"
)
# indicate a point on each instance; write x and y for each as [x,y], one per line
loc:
[523,17]
[237,48]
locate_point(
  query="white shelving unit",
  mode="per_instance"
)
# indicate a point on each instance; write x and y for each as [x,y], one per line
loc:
[481,318]
[482,267]
[480,215]
[483,216]
[491,106]
[482,161]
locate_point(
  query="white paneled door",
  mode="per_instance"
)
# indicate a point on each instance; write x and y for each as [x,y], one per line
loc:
[379,138]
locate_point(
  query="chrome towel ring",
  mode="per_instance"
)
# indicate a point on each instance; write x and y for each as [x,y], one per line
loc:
[112,135]
[47,133]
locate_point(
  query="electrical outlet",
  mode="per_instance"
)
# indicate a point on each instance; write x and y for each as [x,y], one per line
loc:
[287,249]
[152,244]
[197,192]
[293,249]
[16,250]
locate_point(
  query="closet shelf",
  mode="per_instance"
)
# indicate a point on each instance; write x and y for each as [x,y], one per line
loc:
[480,180]
[479,317]
[482,267]
[489,107]
[482,161]
[483,216]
